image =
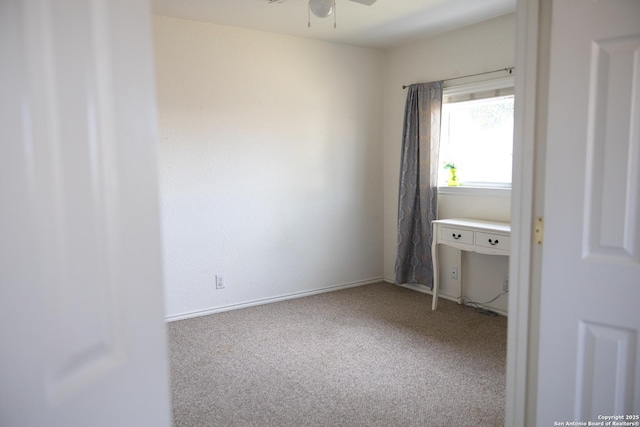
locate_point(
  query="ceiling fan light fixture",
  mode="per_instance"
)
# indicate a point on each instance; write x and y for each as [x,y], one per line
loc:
[322,8]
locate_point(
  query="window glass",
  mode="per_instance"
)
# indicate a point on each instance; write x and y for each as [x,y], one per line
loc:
[477,138]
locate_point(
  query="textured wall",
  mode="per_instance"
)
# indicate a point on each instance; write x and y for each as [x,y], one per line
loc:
[482,47]
[270,163]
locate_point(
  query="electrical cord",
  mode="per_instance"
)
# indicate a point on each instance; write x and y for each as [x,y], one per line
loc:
[478,305]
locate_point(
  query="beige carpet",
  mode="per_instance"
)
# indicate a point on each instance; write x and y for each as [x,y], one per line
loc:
[375,355]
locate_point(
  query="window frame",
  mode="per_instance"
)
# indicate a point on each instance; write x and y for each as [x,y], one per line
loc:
[492,88]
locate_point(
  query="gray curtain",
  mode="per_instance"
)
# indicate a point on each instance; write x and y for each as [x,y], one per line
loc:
[417,201]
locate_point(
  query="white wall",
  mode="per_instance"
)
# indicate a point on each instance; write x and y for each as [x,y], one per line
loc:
[482,47]
[270,164]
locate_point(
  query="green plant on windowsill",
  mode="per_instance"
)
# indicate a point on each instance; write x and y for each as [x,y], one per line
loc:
[453,177]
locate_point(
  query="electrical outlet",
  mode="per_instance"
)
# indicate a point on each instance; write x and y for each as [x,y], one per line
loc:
[505,284]
[219,282]
[454,273]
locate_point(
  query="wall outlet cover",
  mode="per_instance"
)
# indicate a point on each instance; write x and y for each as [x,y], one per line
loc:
[220,282]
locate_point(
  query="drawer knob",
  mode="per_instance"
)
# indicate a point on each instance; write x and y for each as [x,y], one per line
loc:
[456,237]
[493,242]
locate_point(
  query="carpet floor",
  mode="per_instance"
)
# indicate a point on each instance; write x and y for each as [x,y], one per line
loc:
[374,355]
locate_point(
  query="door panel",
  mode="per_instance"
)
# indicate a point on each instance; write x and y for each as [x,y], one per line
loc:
[81,298]
[606,367]
[589,358]
[612,211]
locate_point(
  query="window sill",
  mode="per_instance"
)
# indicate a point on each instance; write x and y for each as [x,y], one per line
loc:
[476,191]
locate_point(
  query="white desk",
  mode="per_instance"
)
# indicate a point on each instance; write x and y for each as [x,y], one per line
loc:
[467,234]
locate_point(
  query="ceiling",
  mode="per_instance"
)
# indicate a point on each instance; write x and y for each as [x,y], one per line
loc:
[384,24]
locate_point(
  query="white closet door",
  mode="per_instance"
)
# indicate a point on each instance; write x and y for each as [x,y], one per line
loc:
[589,360]
[82,330]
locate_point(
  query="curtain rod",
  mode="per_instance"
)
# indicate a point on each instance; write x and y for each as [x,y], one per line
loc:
[508,69]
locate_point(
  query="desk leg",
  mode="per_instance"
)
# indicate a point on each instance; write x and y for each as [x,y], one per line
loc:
[459,277]
[436,278]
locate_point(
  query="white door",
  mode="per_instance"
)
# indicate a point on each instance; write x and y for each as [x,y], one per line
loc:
[81,316]
[589,360]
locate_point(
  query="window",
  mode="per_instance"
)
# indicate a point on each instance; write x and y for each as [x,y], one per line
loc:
[477,134]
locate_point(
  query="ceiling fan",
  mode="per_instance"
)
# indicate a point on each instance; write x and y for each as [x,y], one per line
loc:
[324,8]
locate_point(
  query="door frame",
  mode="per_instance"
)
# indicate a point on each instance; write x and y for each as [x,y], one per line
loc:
[532,54]
[533,23]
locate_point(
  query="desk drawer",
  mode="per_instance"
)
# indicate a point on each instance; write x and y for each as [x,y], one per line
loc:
[457,235]
[493,241]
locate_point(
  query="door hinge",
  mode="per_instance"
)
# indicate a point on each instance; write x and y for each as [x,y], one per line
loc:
[539,230]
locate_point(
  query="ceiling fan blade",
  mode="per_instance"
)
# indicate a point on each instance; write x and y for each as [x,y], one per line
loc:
[367,2]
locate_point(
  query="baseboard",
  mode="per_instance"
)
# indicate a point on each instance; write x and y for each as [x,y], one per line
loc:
[285,297]
[425,290]
[421,288]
